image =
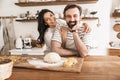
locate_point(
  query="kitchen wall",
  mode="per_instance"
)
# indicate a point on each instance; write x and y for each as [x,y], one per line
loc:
[113,34]
[101,34]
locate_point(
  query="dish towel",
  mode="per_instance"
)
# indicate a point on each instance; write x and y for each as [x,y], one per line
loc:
[1,37]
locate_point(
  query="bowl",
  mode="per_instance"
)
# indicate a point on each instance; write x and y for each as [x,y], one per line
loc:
[6,66]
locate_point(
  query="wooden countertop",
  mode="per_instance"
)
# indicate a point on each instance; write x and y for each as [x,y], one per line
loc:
[94,68]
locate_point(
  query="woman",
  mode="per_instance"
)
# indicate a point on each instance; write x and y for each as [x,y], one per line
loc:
[46,26]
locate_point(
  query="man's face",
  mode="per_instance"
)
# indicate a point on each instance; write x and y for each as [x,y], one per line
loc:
[72,17]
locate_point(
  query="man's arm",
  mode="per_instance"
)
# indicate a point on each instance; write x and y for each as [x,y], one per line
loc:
[80,46]
[56,44]
[56,47]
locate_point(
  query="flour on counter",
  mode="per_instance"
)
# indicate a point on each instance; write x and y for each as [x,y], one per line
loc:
[40,63]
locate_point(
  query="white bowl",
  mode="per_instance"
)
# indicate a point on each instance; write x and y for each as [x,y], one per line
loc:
[6,69]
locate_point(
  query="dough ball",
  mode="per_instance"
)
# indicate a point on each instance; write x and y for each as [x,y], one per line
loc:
[52,57]
[70,62]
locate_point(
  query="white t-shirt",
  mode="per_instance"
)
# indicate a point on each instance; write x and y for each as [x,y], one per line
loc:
[85,37]
[49,33]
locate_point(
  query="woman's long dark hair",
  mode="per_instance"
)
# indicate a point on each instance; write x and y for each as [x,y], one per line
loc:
[41,25]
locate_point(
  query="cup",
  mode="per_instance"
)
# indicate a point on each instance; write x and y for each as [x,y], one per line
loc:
[27,43]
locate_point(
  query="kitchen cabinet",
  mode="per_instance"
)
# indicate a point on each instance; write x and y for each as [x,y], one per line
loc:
[57,2]
[114,51]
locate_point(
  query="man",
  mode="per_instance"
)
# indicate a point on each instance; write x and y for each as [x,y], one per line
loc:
[76,41]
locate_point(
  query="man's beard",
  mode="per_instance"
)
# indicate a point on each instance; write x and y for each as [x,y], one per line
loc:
[71,24]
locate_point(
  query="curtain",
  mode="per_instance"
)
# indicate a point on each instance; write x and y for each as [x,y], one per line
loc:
[8,36]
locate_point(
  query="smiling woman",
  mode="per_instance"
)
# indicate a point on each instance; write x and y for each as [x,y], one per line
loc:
[46,26]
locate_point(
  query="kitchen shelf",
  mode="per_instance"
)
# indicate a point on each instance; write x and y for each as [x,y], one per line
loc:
[35,20]
[8,17]
[26,20]
[55,3]
[116,15]
[89,18]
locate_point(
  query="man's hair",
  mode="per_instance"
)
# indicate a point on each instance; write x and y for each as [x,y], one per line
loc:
[69,6]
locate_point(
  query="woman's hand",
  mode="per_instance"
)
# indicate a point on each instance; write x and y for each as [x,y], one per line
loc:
[87,29]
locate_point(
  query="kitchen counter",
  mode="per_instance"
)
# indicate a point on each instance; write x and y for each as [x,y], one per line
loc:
[32,51]
[114,51]
[94,68]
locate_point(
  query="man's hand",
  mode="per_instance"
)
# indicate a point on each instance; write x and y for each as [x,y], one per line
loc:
[87,29]
[76,27]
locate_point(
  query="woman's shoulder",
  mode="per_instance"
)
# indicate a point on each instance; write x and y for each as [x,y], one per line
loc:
[60,19]
[61,22]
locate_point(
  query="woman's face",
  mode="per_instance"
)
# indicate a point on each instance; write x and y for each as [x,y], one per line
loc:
[49,19]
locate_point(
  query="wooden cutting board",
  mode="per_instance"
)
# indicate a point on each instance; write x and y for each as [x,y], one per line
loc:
[25,64]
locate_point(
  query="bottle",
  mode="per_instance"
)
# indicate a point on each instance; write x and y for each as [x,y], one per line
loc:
[36,15]
[28,15]
[19,43]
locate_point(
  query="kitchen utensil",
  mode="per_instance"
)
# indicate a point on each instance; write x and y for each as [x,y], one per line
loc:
[116,27]
[118,35]
[93,13]
[40,65]
[5,68]
[27,43]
